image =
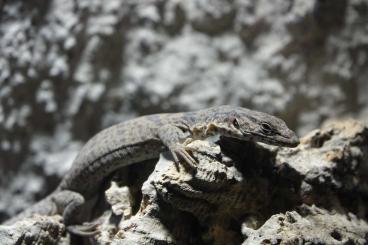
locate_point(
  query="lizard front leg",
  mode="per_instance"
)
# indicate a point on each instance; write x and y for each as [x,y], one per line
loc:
[173,137]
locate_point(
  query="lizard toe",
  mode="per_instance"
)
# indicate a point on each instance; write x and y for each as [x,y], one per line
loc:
[182,156]
[85,230]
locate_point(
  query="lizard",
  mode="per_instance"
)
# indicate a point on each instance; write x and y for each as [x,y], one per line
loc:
[144,138]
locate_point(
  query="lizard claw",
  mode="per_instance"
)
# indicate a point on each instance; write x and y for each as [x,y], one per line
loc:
[181,155]
[84,230]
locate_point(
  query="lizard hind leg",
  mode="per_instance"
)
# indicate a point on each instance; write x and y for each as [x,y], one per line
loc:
[72,206]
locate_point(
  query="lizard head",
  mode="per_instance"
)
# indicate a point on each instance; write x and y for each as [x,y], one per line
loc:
[245,124]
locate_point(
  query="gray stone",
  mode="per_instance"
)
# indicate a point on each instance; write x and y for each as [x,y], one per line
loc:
[239,193]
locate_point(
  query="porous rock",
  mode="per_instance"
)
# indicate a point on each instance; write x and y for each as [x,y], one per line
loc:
[69,68]
[34,230]
[256,194]
[246,193]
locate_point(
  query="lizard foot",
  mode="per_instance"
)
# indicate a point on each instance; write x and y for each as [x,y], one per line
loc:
[181,155]
[87,229]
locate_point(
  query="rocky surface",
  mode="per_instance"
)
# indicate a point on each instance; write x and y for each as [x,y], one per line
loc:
[34,230]
[309,225]
[242,193]
[69,68]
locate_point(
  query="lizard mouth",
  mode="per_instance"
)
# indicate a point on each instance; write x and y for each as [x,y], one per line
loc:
[276,139]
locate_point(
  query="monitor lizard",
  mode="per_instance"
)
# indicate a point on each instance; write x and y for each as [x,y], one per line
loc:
[144,138]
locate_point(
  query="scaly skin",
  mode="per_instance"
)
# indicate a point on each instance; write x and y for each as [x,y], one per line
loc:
[145,138]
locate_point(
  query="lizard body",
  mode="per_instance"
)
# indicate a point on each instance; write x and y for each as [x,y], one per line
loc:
[145,138]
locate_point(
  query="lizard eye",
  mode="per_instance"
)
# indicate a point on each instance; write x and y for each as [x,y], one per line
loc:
[267,129]
[235,123]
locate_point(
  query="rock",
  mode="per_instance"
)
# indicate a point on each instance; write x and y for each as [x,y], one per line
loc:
[69,68]
[34,230]
[309,224]
[120,200]
[256,194]
[331,161]
[240,193]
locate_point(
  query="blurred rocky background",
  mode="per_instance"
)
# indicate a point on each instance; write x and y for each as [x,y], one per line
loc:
[69,68]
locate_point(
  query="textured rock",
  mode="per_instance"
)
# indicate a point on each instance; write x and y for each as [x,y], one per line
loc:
[309,224]
[239,193]
[257,194]
[34,230]
[70,68]
[331,163]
